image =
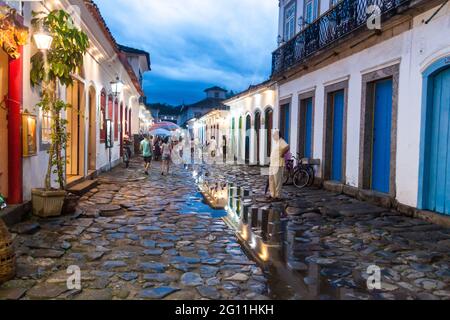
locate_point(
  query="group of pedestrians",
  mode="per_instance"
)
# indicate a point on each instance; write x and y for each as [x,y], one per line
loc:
[155,149]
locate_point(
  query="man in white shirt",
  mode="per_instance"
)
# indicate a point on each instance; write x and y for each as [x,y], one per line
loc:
[277,163]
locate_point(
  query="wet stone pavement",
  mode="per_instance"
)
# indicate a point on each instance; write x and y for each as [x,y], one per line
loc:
[323,243]
[136,237]
[130,241]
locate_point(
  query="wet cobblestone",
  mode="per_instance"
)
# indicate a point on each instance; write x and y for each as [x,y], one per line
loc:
[332,238]
[130,242]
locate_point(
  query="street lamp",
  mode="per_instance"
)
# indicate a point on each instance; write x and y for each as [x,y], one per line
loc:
[117,86]
[43,40]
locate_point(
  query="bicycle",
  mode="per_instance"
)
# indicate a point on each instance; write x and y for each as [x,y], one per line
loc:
[309,169]
[302,175]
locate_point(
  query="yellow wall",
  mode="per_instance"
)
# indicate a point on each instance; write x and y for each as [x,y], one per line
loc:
[3,124]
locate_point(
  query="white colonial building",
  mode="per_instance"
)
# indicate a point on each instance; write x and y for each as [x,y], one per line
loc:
[369,95]
[94,105]
[251,123]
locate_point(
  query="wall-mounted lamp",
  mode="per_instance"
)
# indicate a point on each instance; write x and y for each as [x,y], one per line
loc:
[117,86]
[43,40]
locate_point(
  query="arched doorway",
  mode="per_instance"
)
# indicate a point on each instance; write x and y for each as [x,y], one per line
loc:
[257,133]
[434,184]
[269,127]
[92,140]
[240,138]
[121,129]
[248,130]
[233,138]
[75,148]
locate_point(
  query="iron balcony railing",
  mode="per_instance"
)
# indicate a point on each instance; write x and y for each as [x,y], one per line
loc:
[346,17]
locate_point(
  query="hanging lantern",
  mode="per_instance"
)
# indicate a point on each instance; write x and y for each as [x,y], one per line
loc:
[43,40]
[117,86]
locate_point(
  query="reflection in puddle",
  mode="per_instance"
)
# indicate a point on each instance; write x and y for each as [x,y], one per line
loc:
[197,204]
[269,237]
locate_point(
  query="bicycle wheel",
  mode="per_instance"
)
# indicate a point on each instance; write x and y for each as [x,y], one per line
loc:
[312,175]
[301,179]
[286,176]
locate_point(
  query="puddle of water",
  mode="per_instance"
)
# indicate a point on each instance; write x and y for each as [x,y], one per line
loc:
[270,238]
[196,204]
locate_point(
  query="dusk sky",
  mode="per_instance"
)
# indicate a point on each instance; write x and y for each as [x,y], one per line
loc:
[195,44]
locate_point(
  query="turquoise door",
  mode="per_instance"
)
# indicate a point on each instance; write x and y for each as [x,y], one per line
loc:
[436,189]
[338,135]
[308,128]
[381,146]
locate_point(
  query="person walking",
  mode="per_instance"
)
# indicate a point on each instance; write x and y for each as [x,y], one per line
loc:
[157,148]
[146,150]
[277,163]
[187,152]
[126,151]
[165,151]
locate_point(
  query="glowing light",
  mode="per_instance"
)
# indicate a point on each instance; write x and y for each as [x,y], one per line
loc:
[253,243]
[43,40]
[264,252]
[244,233]
[117,86]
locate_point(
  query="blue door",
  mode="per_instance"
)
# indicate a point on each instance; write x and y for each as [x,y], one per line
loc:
[285,121]
[308,128]
[437,160]
[381,144]
[338,135]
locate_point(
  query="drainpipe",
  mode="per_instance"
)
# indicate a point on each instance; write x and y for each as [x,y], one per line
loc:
[15,85]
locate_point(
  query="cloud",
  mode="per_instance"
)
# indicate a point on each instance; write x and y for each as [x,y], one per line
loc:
[223,42]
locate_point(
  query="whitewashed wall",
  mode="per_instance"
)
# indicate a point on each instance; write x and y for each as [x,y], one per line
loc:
[100,67]
[414,49]
[248,104]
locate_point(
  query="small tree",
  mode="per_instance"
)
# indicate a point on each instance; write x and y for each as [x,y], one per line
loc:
[64,58]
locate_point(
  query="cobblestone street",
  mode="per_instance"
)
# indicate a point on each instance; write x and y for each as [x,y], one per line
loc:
[331,239]
[131,243]
[135,237]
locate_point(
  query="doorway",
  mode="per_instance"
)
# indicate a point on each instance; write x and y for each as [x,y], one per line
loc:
[248,130]
[306,115]
[378,147]
[381,136]
[285,119]
[434,190]
[257,133]
[92,140]
[269,127]
[75,149]
[240,138]
[335,124]
[121,129]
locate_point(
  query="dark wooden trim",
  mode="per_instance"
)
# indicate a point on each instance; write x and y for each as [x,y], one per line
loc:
[366,132]
[284,102]
[302,121]
[327,134]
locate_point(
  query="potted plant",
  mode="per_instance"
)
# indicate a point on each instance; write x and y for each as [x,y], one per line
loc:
[61,49]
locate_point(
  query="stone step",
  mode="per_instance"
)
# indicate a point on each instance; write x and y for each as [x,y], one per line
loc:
[83,187]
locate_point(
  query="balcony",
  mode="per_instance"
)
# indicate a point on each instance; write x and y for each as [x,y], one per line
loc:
[337,23]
